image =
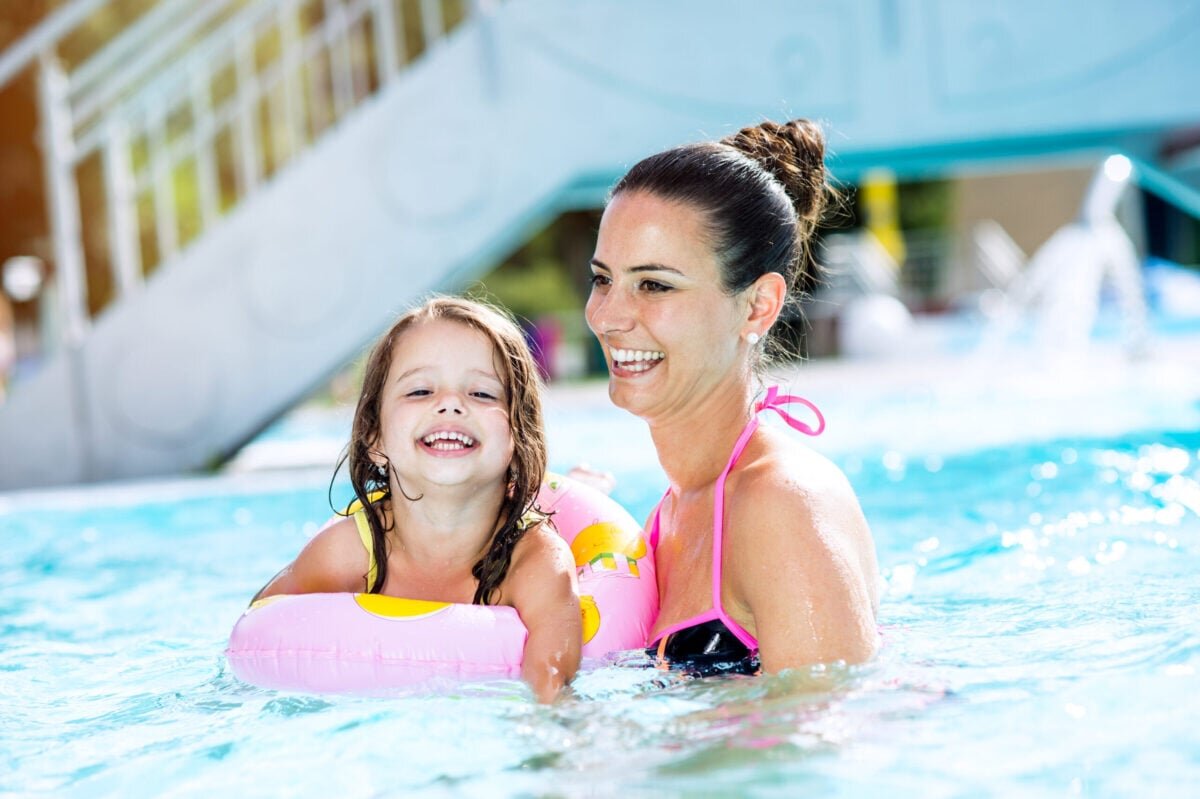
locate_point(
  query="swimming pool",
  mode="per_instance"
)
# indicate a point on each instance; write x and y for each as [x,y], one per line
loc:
[1039,534]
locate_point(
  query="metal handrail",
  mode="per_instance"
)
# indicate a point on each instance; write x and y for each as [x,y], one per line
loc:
[221,117]
[46,36]
[150,90]
[860,260]
[160,50]
[127,42]
[167,85]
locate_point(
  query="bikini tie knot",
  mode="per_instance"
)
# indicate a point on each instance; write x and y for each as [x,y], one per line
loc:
[774,401]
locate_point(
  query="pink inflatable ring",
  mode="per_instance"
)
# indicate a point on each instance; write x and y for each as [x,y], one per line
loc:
[365,642]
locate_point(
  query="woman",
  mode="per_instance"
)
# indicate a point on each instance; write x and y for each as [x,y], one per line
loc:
[764,558]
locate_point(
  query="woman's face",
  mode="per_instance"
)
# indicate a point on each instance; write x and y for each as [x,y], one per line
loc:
[669,331]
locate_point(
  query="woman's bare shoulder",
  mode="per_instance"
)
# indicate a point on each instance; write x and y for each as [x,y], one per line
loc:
[795,513]
[793,483]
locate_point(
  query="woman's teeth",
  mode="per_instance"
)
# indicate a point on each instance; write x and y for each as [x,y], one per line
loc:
[447,440]
[636,360]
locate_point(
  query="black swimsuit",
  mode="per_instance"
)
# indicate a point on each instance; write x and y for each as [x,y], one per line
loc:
[705,649]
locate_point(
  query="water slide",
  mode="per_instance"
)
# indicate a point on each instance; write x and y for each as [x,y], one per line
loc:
[535,106]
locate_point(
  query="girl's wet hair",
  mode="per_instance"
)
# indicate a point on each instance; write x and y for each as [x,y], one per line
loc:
[763,191]
[518,372]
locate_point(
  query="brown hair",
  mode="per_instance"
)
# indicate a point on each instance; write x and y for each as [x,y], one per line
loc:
[763,190]
[518,372]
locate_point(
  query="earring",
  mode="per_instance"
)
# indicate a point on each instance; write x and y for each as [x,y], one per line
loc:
[752,339]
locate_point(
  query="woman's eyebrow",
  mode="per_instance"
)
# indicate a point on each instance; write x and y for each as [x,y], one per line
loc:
[651,267]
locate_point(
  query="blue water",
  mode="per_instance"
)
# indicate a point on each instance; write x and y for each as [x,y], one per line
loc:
[1040,620]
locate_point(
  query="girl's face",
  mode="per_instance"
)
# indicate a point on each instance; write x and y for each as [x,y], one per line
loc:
[669,331]
[443,413]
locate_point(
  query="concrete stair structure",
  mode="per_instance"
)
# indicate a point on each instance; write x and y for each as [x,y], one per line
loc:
[536,106]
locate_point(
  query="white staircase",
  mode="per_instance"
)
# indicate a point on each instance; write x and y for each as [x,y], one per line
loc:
[406,150]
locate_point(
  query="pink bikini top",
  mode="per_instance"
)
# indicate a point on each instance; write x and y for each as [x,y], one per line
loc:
[773,401]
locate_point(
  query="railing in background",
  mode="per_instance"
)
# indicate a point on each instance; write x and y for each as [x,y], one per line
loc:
[189,109]
[939,268]
[995,255]
[857,263]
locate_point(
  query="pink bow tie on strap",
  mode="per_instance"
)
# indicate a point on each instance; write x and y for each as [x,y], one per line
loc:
[775,401]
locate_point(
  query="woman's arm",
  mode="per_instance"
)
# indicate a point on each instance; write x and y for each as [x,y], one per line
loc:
[797,571]
[333,561]
[541,585]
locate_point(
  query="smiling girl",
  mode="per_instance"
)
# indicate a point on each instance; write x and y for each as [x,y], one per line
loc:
[446,456]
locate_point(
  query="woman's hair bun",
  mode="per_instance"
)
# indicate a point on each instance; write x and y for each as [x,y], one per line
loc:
[794,153]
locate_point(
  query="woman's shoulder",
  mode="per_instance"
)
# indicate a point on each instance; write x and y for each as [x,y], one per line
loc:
[796,510]
[793,475]
[793,495]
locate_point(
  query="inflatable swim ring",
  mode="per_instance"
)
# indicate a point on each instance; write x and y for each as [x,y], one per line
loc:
[363,642]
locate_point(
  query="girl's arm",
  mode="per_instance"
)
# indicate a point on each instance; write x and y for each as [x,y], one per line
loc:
[541,585]
[333,561]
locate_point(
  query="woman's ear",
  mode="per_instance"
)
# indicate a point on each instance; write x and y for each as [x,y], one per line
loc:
[767,296]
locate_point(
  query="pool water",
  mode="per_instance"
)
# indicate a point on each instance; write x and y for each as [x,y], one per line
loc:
[1040,623]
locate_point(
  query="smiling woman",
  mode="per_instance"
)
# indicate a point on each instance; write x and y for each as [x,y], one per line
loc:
[698,253]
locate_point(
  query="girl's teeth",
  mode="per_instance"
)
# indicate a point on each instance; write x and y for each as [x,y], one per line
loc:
[448,440]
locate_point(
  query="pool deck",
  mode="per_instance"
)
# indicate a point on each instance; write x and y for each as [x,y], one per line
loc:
[873,407]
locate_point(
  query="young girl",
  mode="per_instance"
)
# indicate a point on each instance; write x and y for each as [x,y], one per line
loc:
[446,456]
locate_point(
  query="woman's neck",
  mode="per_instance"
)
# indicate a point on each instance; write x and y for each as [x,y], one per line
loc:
[694,443]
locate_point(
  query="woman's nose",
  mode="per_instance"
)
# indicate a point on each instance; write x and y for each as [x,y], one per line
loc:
[608,314]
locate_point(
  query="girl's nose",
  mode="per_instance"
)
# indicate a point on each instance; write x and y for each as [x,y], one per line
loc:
[450,402]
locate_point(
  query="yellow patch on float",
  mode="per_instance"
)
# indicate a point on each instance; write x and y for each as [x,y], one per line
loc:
[603,545]
[394,607]
[591,617]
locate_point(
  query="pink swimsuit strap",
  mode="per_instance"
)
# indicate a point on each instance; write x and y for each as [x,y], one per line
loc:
[773,401]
